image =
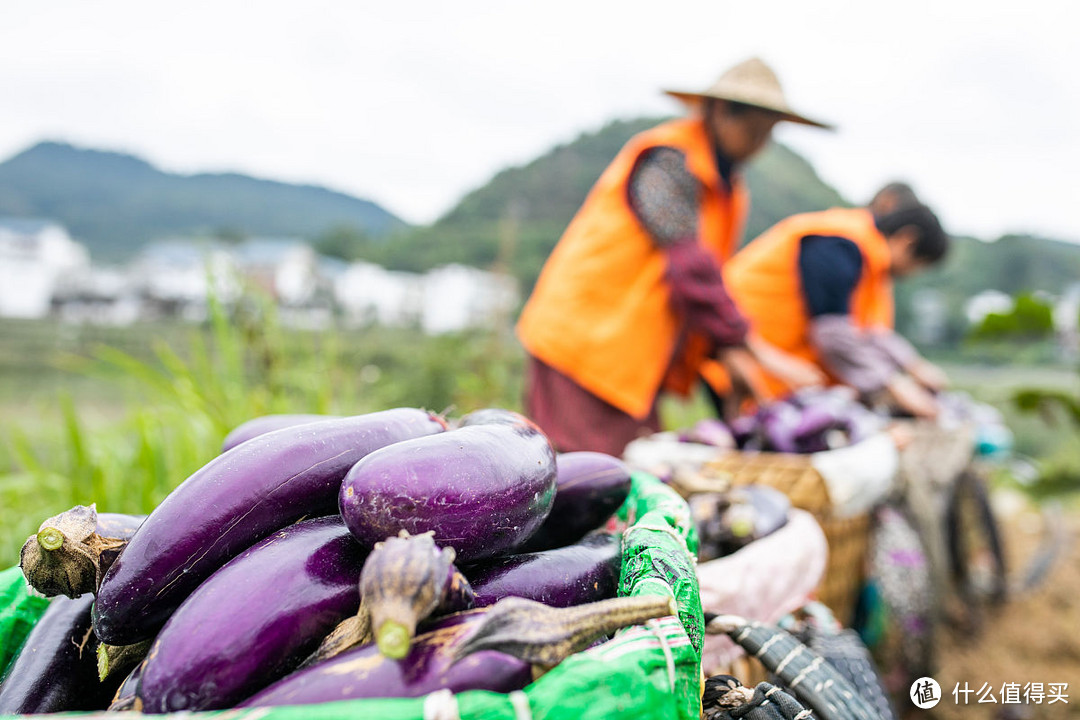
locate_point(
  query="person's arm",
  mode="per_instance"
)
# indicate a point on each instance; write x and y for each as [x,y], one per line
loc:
[907,357]
[665,198]
[830,268]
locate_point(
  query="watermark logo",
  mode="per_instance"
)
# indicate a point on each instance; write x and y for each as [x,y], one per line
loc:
[925,693]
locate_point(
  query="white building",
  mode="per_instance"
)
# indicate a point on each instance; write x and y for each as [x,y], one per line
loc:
[175,277]
[978,306]
[457,297]
[286,268]
[36,258]
[447,299]
[371,294]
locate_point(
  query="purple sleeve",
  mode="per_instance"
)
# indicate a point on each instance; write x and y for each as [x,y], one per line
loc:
[850,355]
[664,196]
[895,347]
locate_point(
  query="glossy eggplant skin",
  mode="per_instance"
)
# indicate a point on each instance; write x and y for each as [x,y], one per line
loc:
[573,575]
[236,499]
[429,666]
[56,669]
[589,488]
[268,423]
[116,525]
[482,489]
[255,619]
[125,697]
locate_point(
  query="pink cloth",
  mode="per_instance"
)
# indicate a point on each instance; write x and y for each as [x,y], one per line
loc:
[765,581]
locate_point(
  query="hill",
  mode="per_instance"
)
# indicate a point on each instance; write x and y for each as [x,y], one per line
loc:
[516,218]
[115,202]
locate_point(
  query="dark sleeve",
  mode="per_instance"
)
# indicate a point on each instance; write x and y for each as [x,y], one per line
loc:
[829,268]
[664,196]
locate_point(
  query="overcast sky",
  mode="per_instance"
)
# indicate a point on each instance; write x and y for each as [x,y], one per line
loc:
[413,104]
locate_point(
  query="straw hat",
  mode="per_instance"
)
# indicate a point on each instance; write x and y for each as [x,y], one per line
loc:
[751,82]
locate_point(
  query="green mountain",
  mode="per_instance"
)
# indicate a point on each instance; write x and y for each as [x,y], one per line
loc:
[115,203]
[516,218]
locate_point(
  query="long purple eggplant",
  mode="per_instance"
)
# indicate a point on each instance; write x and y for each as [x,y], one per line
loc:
[71,552]
[236,499]
[125,698]
[56,669]
[268,423]
[365,673]
[590,486]
[582,573]
[255,619]
[482,489]
[492,648]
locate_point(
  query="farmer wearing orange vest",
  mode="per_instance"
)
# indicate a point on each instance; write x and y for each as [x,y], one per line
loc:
[820,286]
[631,302]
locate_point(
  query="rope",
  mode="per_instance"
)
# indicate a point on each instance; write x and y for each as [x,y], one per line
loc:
[654,625]
[441,705]
[520,701]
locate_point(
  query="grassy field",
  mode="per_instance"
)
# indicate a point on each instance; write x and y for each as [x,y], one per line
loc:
[119,416]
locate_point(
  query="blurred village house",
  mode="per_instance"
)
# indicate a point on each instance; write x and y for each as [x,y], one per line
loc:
[36,257]
[45,273]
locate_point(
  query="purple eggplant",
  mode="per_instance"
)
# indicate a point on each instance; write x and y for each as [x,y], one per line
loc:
[268,423]
[71,552]
[430,665]
[710,431]
[567,576]
[779,422]
[125,697]
[236,499]
[56,669]
[482,489]
[589,487]
[492,648]
[255,619]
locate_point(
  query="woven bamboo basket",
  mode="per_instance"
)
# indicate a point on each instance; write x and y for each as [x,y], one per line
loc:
[848,538]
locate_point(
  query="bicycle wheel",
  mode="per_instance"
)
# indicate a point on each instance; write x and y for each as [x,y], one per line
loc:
[975,548]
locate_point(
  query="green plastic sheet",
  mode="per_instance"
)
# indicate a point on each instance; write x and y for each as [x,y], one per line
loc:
[644,672]
[19,610]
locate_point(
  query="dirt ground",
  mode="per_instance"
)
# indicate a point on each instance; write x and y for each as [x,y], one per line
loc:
[1033,638]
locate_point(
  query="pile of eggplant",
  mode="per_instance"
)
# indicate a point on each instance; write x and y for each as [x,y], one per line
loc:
[807,421]
[316,559]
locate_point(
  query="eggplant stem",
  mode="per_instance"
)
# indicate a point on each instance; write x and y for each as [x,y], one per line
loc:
[545,636]
[349,633]
[393,639]
[50,538]
[112,659]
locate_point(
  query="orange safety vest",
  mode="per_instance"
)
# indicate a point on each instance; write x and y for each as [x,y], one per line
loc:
[764,280]
[600,312]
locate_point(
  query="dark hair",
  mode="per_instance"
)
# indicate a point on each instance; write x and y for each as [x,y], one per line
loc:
[900,193]
[932,243]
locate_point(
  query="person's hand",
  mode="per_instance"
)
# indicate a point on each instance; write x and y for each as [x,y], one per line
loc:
[929,375]
[793,371]
[906,392]
[745,375]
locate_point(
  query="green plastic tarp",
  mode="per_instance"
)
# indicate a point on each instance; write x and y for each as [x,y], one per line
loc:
[647,671]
